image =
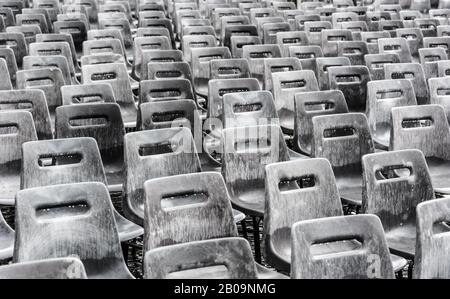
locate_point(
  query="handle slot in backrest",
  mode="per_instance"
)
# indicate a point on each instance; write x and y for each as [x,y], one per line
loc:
[9,129]
[207,58]
[229,70]
[263,54]
[427,26]
[409,36]
[44,81]
[104,76]
[20,105]
[281,68]
[49,52]
[402,75]
[390,27]
[168,74]
[431,58]
[59,159]
[326,247]
[70,29]
[163,59]
[92,121]
[352,50]
[333,38]
[242,44]
[351,78]
[159,117]
[151,46]
[293,84]
[339,132]
[443,91]
[87,98]
[393,172]
[317,29]
[252,144]
[437,45]
[408,123]
[183,199]
[379,64]
[291,40]
[319,106]
[306,181]
[394,47]
[306,55]
[198,44]
[224,91]
[51,211]
[389,94]
[161,148]
[244,108]
[165,93]
[8,43]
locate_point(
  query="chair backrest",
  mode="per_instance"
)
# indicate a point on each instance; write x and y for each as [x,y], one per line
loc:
[63,214]
[353,50]
[330,37]
[164,56]
[118,23]
[234,254]
[219,87]
[102,121]
[423,127]
[147,43]
[255,54]
[201,57]
[251,108]
[397,182]
[16,42]
[237,42]
[88,93]
[414,37]
[59,268]
[396,45]
[49,80]
[156,153]
[309,105]
[323,63]
[51,61]
[428,26]
[352,81]
[59,37]
[412,72]
[102,58]
[270,31]
[32,19]
[61,161]
[375,63]
[164,90]
[169,203]
[295,191]
[439,93]
[8,55]
[196,41]
[53,48]
[5,78]
[307,56]
[291,38]
[341,138]
[98,46]
[367,257]
[431,244]
[275,65]
[246,152]
[434,42]
[32,101]
[164,71]
[29,31]
[314,29]
[229,68]
[382,96]
[76,28]
[429,58]
[372,37]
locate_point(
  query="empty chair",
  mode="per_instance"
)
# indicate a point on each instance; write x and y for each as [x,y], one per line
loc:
[275,65]
[323,63]
[163,56]
[428,58]
[15,41]
[196,41]
[98,46]
[443,68]
[103,122]
[308,105]
[57,268]
[285,86]
[343,139]
[353,50]
[231,31]
[375,63]
[5,79]
[173,70]
[201,69]
[352,81]
[433,42]
[382,96]
[229,68]
[428,26]
[51,61]
[395,45]
[291,38]
[152,154]
[330,38]
[439,93]
[86,230]
[371,38]
[307,56]
[87,93]
[58,37]
[246,151]
[49,80]
[76,28]
[314,31]
[414,38]
[147,43]
[17,127]
[360,251]
[432,246]
[115,74]
[237,42]
[295,191]
[8,55]
[164,90]
[31,100]
[397,182]
[412,72]
[270,31]
[210,220]
[255,54]
[424,127]
[356,27]
[63,161]
[231,258]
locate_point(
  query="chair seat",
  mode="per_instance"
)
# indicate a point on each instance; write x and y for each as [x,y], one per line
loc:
[398,263]
[382,137]
[251,202]
[127,230]
[350,186]
[402,241]
[440,174]
[294,155]
[201,87]
[9,184]
[265,273]
[287,121]
[238,216]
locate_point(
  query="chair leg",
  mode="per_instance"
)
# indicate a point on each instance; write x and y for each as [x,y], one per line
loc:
[125,251]
[410,270]
[244,229]
[256,239]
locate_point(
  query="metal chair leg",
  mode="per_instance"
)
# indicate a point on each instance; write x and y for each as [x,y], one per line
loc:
[244,229]
[256,239]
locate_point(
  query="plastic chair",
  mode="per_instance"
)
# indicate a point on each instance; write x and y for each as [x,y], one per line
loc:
[89,93]
[255,54]
[414,38]
[196,41]
[353,50]
[314,31]
[352,81]
[397,46]
[33,101]
[397,182]
[8,55]
[16,42]
[276,65]
[360,249]
[237,42]
[371,38]
[382,96]
[308,105]
[330,37]
[103,122]
[430,261]
[155,56]
[291,38]
[428,58]
[229,68]
[343,139]
[71,218]
[51,61]
[152,154]
[165,90]
[115,74]
[28,31]
[58,268]
[64,161]
[375,63]
[424,127]
[285,86]
[412,72]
